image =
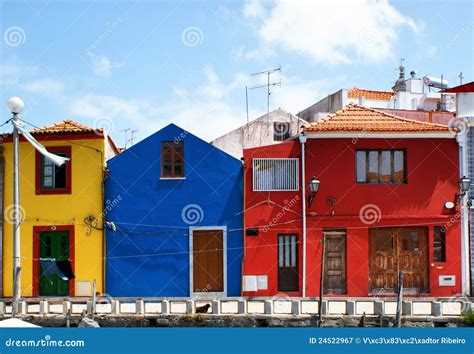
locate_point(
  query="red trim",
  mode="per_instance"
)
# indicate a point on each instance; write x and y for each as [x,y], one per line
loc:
[466,88]
[39,190]
[7,138]
[72,255]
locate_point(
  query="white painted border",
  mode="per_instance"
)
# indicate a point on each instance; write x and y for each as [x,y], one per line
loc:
[191,263]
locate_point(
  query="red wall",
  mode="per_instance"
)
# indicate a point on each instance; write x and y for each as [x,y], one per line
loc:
[432,171]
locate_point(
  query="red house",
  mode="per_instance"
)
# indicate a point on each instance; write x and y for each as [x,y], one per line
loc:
[387,201]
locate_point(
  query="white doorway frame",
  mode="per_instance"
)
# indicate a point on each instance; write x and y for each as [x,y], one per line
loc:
[208,294]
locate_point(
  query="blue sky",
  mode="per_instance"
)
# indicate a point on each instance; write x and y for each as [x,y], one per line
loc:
[144,64]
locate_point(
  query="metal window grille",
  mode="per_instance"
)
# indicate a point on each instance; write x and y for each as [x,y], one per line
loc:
[275,174]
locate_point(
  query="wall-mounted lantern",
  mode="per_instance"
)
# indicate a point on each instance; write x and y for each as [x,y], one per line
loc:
[313,188]
[464,185]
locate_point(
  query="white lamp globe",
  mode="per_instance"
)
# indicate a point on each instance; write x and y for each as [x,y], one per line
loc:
[15,105]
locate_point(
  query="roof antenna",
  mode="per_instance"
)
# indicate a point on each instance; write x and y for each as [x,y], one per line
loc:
[268,84]
[460,78]
[247,107]
[132,138]
[126,137]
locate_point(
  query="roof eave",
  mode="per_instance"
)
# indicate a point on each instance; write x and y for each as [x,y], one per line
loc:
[378,135]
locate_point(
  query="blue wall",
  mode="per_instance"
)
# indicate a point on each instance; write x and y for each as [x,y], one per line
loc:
[148,254]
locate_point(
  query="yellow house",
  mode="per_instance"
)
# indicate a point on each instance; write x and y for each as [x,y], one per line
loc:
[61,212]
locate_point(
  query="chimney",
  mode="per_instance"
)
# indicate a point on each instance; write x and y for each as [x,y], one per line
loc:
[413,84]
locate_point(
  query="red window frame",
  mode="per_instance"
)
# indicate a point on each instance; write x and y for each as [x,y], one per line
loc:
[39,158]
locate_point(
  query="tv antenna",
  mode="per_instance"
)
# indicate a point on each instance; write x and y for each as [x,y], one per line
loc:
[460,78]
[268,84]
[132,137]
[125,131]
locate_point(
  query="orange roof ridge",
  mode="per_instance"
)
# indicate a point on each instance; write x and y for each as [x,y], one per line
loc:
[64,126]
[397,117]
[356,92]
[356,118]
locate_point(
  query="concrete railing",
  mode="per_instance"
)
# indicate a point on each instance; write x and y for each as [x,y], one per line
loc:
[150,307]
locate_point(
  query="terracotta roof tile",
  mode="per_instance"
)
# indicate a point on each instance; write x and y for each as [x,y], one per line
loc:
[370,94]
[354,118]
[66,126]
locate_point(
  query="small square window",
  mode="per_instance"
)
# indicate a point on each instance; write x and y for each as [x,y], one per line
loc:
[52,179]
[281,131]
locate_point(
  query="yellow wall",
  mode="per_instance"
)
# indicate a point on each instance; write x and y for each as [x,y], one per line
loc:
[56,209]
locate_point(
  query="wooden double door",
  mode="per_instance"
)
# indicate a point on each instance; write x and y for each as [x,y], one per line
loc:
[392,250]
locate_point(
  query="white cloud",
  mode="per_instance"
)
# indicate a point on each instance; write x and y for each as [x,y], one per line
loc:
[11,74]
[207,110]
[297,94]
[46,87]
[102,65]
[254,9]
[330,32]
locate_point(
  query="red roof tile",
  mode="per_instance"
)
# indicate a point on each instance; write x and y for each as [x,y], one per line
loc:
[370,94]
[354,118]
[66,126]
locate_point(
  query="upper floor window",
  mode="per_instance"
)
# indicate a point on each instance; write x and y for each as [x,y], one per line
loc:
[172,159]
[277,174]
[380,166]
[281,131]
[52,179]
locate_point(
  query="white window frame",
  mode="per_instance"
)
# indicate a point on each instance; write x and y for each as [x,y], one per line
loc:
[294,174]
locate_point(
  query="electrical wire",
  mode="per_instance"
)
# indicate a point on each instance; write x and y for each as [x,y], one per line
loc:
[8,121]
[266,245]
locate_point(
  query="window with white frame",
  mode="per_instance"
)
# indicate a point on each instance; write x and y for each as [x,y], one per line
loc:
[275,174]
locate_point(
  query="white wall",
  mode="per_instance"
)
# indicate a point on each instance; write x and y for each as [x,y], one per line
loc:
[259,132]
[372,103]
[465,104]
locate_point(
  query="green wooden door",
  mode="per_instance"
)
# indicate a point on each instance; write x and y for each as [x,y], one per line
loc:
[53,244]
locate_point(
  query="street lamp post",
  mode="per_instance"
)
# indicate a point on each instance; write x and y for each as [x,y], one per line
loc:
[16,105]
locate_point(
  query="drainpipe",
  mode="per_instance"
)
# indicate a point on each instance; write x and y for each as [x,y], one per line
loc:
[303,139]
[461,139]
[244,249]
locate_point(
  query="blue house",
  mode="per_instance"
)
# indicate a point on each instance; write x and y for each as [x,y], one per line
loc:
[174,216]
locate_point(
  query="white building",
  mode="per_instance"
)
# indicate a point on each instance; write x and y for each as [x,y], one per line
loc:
[272,128]
[416,94]
[465,116]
